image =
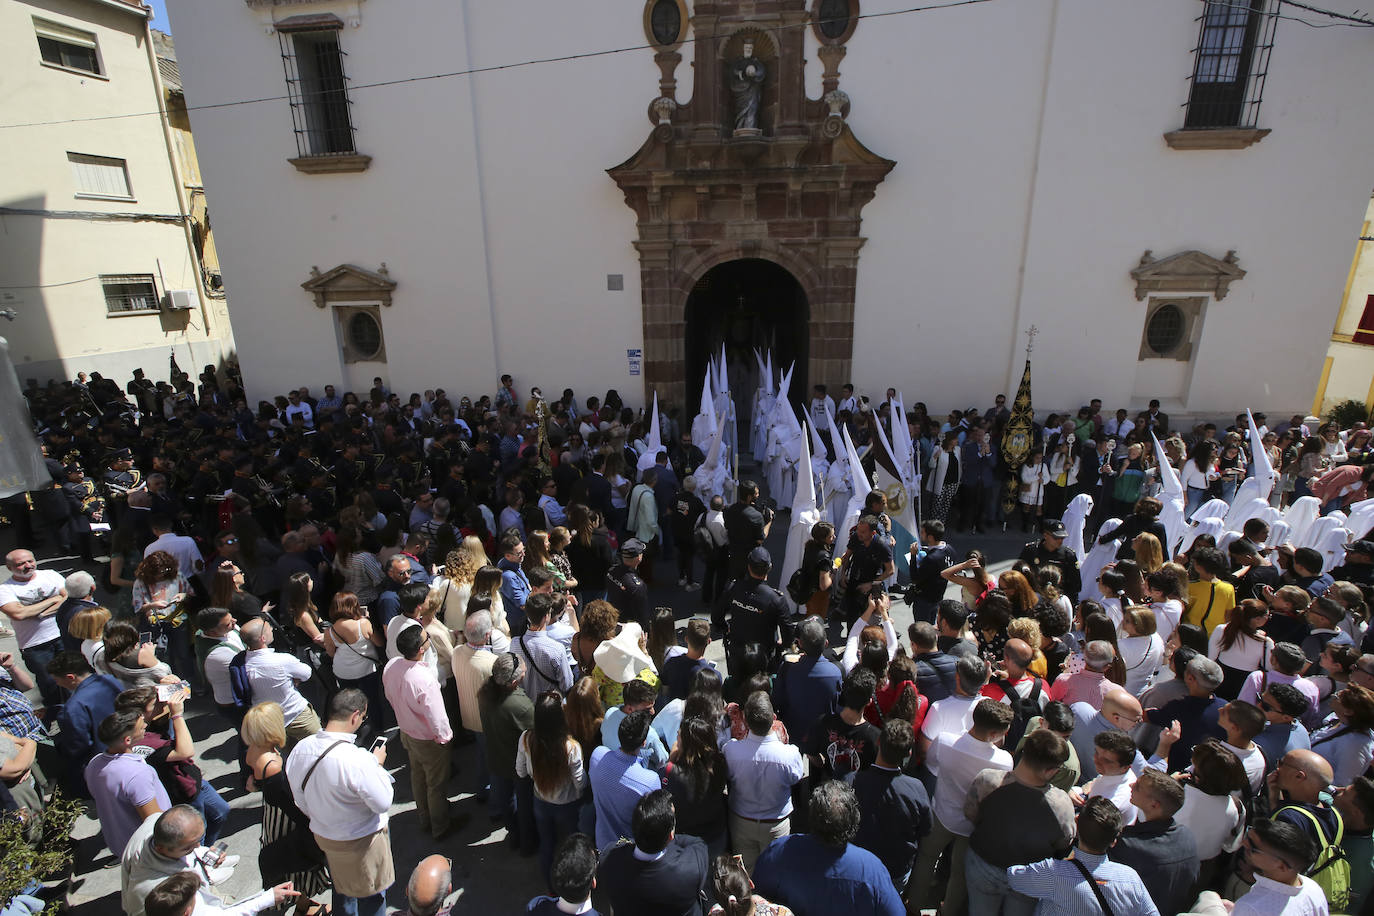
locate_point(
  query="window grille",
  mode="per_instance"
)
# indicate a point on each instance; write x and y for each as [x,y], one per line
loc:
[1235,38]
[318,90]
[129,293]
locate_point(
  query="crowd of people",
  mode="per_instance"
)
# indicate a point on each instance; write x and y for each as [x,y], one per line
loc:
[1136,718]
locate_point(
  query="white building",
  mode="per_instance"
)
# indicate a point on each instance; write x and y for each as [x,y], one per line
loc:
[1165,190]
[98,255]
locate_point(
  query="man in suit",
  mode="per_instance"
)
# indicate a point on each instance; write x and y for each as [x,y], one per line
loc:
[598,488]
[572,879]
[659,873]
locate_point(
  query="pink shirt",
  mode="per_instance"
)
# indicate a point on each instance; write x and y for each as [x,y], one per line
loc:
[1084,687]
[413,692]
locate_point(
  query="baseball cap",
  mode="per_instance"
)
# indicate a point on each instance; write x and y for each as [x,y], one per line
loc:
[634,547]
[1055,528]
[1361,546]
[760,556]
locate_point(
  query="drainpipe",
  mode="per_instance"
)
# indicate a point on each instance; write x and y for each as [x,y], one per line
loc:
[178,182]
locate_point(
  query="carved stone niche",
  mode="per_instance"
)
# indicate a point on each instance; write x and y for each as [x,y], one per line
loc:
[349,283]
[793,196]
[1185,272]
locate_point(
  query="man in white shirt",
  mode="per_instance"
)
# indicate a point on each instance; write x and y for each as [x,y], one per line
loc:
[1278,852]
[31,599]
[848,401]
[954,759]
[184,549]
[216,626]
[1113,755]
[954,714]
[346,792]
[298,408]
[273,676]
[821,404]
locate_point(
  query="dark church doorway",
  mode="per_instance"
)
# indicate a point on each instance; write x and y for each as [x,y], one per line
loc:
[747,304]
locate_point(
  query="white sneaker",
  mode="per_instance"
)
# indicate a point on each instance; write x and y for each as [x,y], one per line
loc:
[692,586]
[682,582]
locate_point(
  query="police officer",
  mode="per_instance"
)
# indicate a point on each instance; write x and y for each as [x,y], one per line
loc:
[625,590]
[758,613]
[1050,551]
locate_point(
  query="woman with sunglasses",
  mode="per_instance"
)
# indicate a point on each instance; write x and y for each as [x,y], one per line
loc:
[1346,739]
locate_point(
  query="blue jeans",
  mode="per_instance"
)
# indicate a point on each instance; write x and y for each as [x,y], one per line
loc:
[359,906]
[1193,501]
[213,808]
[989,893]
[554,823]
[36,659]
[513,798]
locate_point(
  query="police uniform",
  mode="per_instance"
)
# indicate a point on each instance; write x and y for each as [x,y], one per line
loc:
[757,612]
[625,590]
[1038,556]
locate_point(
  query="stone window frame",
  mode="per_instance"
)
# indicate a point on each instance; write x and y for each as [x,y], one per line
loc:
[1193,308]
[343,313]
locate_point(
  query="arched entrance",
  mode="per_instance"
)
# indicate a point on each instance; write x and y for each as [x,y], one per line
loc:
[746,304]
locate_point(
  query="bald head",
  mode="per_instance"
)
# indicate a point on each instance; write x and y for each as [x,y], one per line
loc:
[255,633]
[1304,775]
[1018,655]
[430,883]
[1121,709]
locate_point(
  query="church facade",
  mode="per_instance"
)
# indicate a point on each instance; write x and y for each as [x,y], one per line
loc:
[601,194]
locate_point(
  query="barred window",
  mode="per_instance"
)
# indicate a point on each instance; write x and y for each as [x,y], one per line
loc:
[125,293]
[318,89]
[1235,38]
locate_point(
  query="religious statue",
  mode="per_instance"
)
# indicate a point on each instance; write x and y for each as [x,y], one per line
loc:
[746,85]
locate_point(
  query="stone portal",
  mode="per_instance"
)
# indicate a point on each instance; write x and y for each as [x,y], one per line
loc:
[790,195]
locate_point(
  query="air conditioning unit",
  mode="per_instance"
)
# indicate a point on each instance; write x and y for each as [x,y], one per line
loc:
[181,299]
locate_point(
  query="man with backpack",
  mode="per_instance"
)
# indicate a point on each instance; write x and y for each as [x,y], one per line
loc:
[261,674]
[1018,688]
[1295,791]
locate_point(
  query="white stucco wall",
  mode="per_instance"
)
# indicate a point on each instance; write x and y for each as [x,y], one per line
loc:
[63,326]
[1031,176]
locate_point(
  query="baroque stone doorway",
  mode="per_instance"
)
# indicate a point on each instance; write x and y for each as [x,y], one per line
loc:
[746,305]
[789,192]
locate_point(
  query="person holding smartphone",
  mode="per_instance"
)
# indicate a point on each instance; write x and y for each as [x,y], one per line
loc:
[346,792]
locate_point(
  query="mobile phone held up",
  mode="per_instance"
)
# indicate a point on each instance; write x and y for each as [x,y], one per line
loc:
[379,741]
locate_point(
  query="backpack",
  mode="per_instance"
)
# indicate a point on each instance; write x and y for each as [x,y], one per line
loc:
[704,540]
[1331,871]
[239,684]
[798,589]
[1023,708]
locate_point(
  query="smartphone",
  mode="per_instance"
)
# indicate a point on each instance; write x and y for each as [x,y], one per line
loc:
[379,741]
[145,637]
[166,692]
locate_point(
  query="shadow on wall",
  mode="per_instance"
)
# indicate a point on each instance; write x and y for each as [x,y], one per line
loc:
[30,333]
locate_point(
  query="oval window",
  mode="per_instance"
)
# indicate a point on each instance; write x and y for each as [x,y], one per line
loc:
[834,18]
[665,22]
[364,335]
[1165,331]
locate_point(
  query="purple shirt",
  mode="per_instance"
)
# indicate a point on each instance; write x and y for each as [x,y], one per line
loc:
[119,783]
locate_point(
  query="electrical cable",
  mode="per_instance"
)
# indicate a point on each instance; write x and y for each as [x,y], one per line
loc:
[473,71]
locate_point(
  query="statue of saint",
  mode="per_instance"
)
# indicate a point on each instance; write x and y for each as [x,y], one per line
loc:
[746,85]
